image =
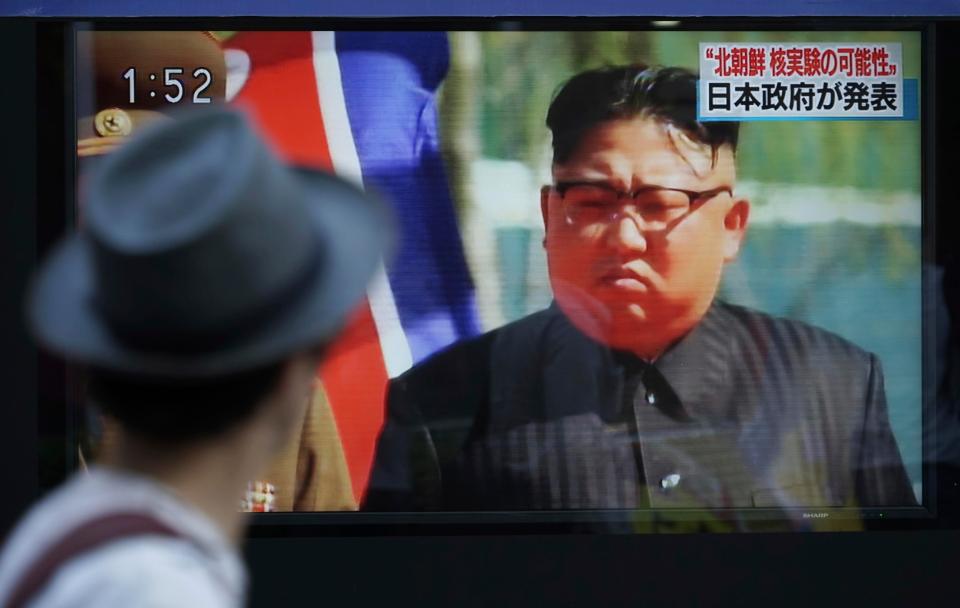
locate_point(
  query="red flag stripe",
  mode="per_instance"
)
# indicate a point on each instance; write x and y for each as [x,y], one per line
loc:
[281,92]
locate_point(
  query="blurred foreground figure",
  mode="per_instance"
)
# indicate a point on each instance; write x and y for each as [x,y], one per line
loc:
[200,295]
[638,387]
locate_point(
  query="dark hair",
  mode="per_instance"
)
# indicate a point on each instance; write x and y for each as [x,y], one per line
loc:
[667,94]
[177,410]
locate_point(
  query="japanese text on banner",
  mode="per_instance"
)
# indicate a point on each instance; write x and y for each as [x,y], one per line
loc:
[797,81]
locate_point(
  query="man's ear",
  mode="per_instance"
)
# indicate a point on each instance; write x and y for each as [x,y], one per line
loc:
[735,223]
[544,208]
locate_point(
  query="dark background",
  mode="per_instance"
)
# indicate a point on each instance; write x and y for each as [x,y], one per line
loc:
[874,568]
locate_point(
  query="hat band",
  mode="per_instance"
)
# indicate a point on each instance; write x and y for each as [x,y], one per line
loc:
[171,341]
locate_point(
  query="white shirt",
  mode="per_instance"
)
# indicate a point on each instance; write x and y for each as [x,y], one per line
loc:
[200,569]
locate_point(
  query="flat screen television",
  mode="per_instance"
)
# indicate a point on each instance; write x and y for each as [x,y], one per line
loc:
[653,276]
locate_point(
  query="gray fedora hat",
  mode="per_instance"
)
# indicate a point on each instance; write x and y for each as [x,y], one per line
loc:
[201,254]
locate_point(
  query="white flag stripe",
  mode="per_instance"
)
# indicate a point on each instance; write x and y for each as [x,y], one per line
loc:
[336,123]
[346,163]
[238,71]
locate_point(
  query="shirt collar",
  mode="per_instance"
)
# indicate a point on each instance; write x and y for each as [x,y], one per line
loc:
[696,367]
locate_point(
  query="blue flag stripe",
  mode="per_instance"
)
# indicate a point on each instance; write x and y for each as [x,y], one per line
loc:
[389,83]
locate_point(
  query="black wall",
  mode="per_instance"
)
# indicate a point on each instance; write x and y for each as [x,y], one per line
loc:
[18,244]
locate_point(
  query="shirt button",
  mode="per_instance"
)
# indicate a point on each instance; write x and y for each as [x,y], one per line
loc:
[670,481]
[651,397]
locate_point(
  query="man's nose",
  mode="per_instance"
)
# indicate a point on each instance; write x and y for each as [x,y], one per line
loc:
[627,232]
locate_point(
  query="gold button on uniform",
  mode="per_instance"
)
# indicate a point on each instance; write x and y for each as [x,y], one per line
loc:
[112,122]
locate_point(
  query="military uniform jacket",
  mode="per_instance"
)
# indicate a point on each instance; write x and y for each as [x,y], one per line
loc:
[747,410]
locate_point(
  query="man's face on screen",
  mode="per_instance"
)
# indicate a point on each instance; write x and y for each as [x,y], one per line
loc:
[639,223]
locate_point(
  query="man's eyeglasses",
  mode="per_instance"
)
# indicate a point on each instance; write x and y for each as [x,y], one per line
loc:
[589,203]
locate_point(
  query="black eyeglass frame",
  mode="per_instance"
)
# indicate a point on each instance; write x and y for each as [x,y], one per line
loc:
[694,196]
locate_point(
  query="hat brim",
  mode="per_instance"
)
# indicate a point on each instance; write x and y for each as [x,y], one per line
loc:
[356,231]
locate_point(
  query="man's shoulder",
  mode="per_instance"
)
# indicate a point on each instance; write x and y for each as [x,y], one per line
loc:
[88,497]
[753,328]
[456,382]
[61,510]
[468,358]
[142,571]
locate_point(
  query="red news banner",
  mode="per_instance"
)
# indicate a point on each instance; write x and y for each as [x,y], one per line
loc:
[772,81]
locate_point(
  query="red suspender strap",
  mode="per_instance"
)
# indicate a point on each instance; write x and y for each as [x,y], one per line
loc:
[85,537]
